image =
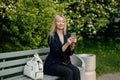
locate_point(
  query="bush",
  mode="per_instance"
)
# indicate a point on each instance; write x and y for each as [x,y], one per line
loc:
[90,18]
[25,24]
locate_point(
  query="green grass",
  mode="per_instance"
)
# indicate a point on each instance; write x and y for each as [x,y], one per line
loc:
[107,55]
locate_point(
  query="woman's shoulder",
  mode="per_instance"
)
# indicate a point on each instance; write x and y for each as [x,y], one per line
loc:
[52,36]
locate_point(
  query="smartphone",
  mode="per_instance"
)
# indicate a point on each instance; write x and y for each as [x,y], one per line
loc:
[73,34]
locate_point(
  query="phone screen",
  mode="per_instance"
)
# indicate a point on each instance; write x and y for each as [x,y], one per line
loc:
[73,34]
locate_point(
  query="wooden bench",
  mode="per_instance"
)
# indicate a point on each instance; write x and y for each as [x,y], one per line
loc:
[12,64]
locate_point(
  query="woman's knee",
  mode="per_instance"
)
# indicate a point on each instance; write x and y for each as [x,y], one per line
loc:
[69,72]
[76,74]
[77,71]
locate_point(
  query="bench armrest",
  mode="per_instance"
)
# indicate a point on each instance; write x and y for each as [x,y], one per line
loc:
[78,61]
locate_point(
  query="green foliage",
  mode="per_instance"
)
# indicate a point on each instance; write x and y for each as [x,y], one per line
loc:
[88,17]
[26,23]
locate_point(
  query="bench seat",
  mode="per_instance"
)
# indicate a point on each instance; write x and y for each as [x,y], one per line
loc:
[22,77]
[12,64]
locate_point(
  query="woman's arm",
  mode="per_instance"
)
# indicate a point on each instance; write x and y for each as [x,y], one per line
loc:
[72,46]
[70,42]
[65,46]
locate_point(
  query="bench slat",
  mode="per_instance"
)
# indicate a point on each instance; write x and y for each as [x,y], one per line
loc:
[13,62]
[11,71]
[43,57]
[49,77]
[15,77]
[17,62]
[23,53]
[22,77]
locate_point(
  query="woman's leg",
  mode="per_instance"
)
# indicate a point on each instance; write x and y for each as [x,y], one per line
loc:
[64,71]
[76,72]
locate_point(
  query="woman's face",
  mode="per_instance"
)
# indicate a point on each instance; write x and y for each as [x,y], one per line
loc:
[60,23]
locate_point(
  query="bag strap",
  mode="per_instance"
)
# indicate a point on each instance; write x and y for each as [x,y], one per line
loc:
[37,57]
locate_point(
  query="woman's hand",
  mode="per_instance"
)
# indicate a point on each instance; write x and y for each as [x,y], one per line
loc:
[73,39]
[70,42]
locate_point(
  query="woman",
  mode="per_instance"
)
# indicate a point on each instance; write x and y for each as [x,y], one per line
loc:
[61,45]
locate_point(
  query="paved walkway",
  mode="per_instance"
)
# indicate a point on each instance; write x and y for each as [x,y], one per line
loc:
[110,76]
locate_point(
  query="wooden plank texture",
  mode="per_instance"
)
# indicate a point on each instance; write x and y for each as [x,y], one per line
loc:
[11,71]
[23,53]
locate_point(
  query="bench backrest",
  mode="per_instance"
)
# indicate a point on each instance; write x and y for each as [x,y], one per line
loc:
[12,63]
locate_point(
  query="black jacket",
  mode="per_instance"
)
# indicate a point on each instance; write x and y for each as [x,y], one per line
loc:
[56,56]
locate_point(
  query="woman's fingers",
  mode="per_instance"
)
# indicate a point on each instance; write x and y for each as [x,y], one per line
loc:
[69,40]
[73,39]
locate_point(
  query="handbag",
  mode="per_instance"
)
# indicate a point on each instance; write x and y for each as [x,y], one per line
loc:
[34,68]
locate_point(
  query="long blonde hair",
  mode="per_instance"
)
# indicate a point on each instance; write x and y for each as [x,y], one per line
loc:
[53,27]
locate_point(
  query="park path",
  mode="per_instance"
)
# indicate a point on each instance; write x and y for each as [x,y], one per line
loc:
[110,76]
